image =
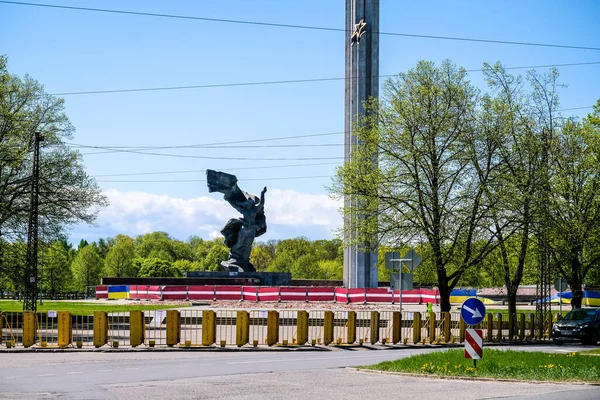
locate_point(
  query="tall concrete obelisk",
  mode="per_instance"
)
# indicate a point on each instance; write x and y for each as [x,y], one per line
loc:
[362,83]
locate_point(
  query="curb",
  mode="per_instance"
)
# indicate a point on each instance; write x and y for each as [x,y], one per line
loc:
[471,378]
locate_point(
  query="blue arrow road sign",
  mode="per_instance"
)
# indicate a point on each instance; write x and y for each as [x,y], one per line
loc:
[472,311]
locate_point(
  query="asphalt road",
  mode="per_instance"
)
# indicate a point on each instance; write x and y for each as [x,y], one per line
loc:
[250,375]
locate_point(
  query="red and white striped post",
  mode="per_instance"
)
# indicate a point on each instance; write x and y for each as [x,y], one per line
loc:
[474,345]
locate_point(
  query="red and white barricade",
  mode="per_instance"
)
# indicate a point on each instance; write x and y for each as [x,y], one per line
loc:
[101,292]
[356,295]
[287,293]
[408,296]
[250,293]
[268,294]
[324,293]
[341,295]
[378,295]
[228,292]
[430,296]
[174,292]
[205,292]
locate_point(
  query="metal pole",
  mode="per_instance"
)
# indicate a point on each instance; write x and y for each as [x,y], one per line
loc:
[400,288]
[31,270]
[41,269]
[560,295]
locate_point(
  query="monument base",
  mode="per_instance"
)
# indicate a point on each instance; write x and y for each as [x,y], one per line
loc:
[265,278]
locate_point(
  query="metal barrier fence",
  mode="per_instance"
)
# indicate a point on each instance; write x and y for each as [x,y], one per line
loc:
[252,328]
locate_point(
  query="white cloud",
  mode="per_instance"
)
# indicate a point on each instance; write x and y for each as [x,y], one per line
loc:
[289,214]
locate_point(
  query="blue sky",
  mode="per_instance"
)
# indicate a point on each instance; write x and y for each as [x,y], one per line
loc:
[72,51]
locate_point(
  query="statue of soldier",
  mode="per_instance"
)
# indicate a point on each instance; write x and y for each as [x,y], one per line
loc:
[239,233]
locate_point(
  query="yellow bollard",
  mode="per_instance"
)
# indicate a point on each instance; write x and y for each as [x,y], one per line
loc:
[65,329]
[29,324]
[499,337]
[521,327]
[531,326]
[548,327]
[209,328]
[328,328]
[351,326]
[302,328]
[462,327]
[416,327]
[397,327]
[447,332]
[432,323]
[242,328]
[137,330]
[272,328]
[374,327]
[173,327]
[490,327]
[100,328]
[1,318]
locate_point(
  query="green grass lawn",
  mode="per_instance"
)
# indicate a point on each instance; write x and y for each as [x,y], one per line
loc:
[591,352]
[500,364]
[83,308]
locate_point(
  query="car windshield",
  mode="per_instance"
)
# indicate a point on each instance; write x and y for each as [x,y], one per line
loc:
[578,315]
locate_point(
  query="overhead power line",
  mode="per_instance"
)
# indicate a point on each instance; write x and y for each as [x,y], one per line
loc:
[141,149]
[288,81]
[204,180]
[228,158]
[113,149]
[204,170]
[147,153]
[116,149]
[576,108]
[294,26]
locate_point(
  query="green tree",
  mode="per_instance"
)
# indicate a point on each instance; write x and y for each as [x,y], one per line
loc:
[155,268]
[87,267]
[283,262]
[574,226]
[425,188]
[331,269]
[119,260]
[217,253]
[187,265]
[307,267]
[55,269]
[261,256]
[67,194]
[161,245]
[512,140]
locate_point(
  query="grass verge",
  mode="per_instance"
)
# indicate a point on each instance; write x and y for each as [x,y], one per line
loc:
[591,352]
[81,308]
[500,364]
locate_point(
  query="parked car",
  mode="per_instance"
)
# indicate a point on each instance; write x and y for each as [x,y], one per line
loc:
[581,324]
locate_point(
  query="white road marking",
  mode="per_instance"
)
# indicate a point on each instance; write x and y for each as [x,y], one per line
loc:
[131,369]
[104,370]
[45,375]
[74,373]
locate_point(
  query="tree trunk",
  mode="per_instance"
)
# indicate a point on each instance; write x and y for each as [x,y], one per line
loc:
[512,299]
[444,293]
